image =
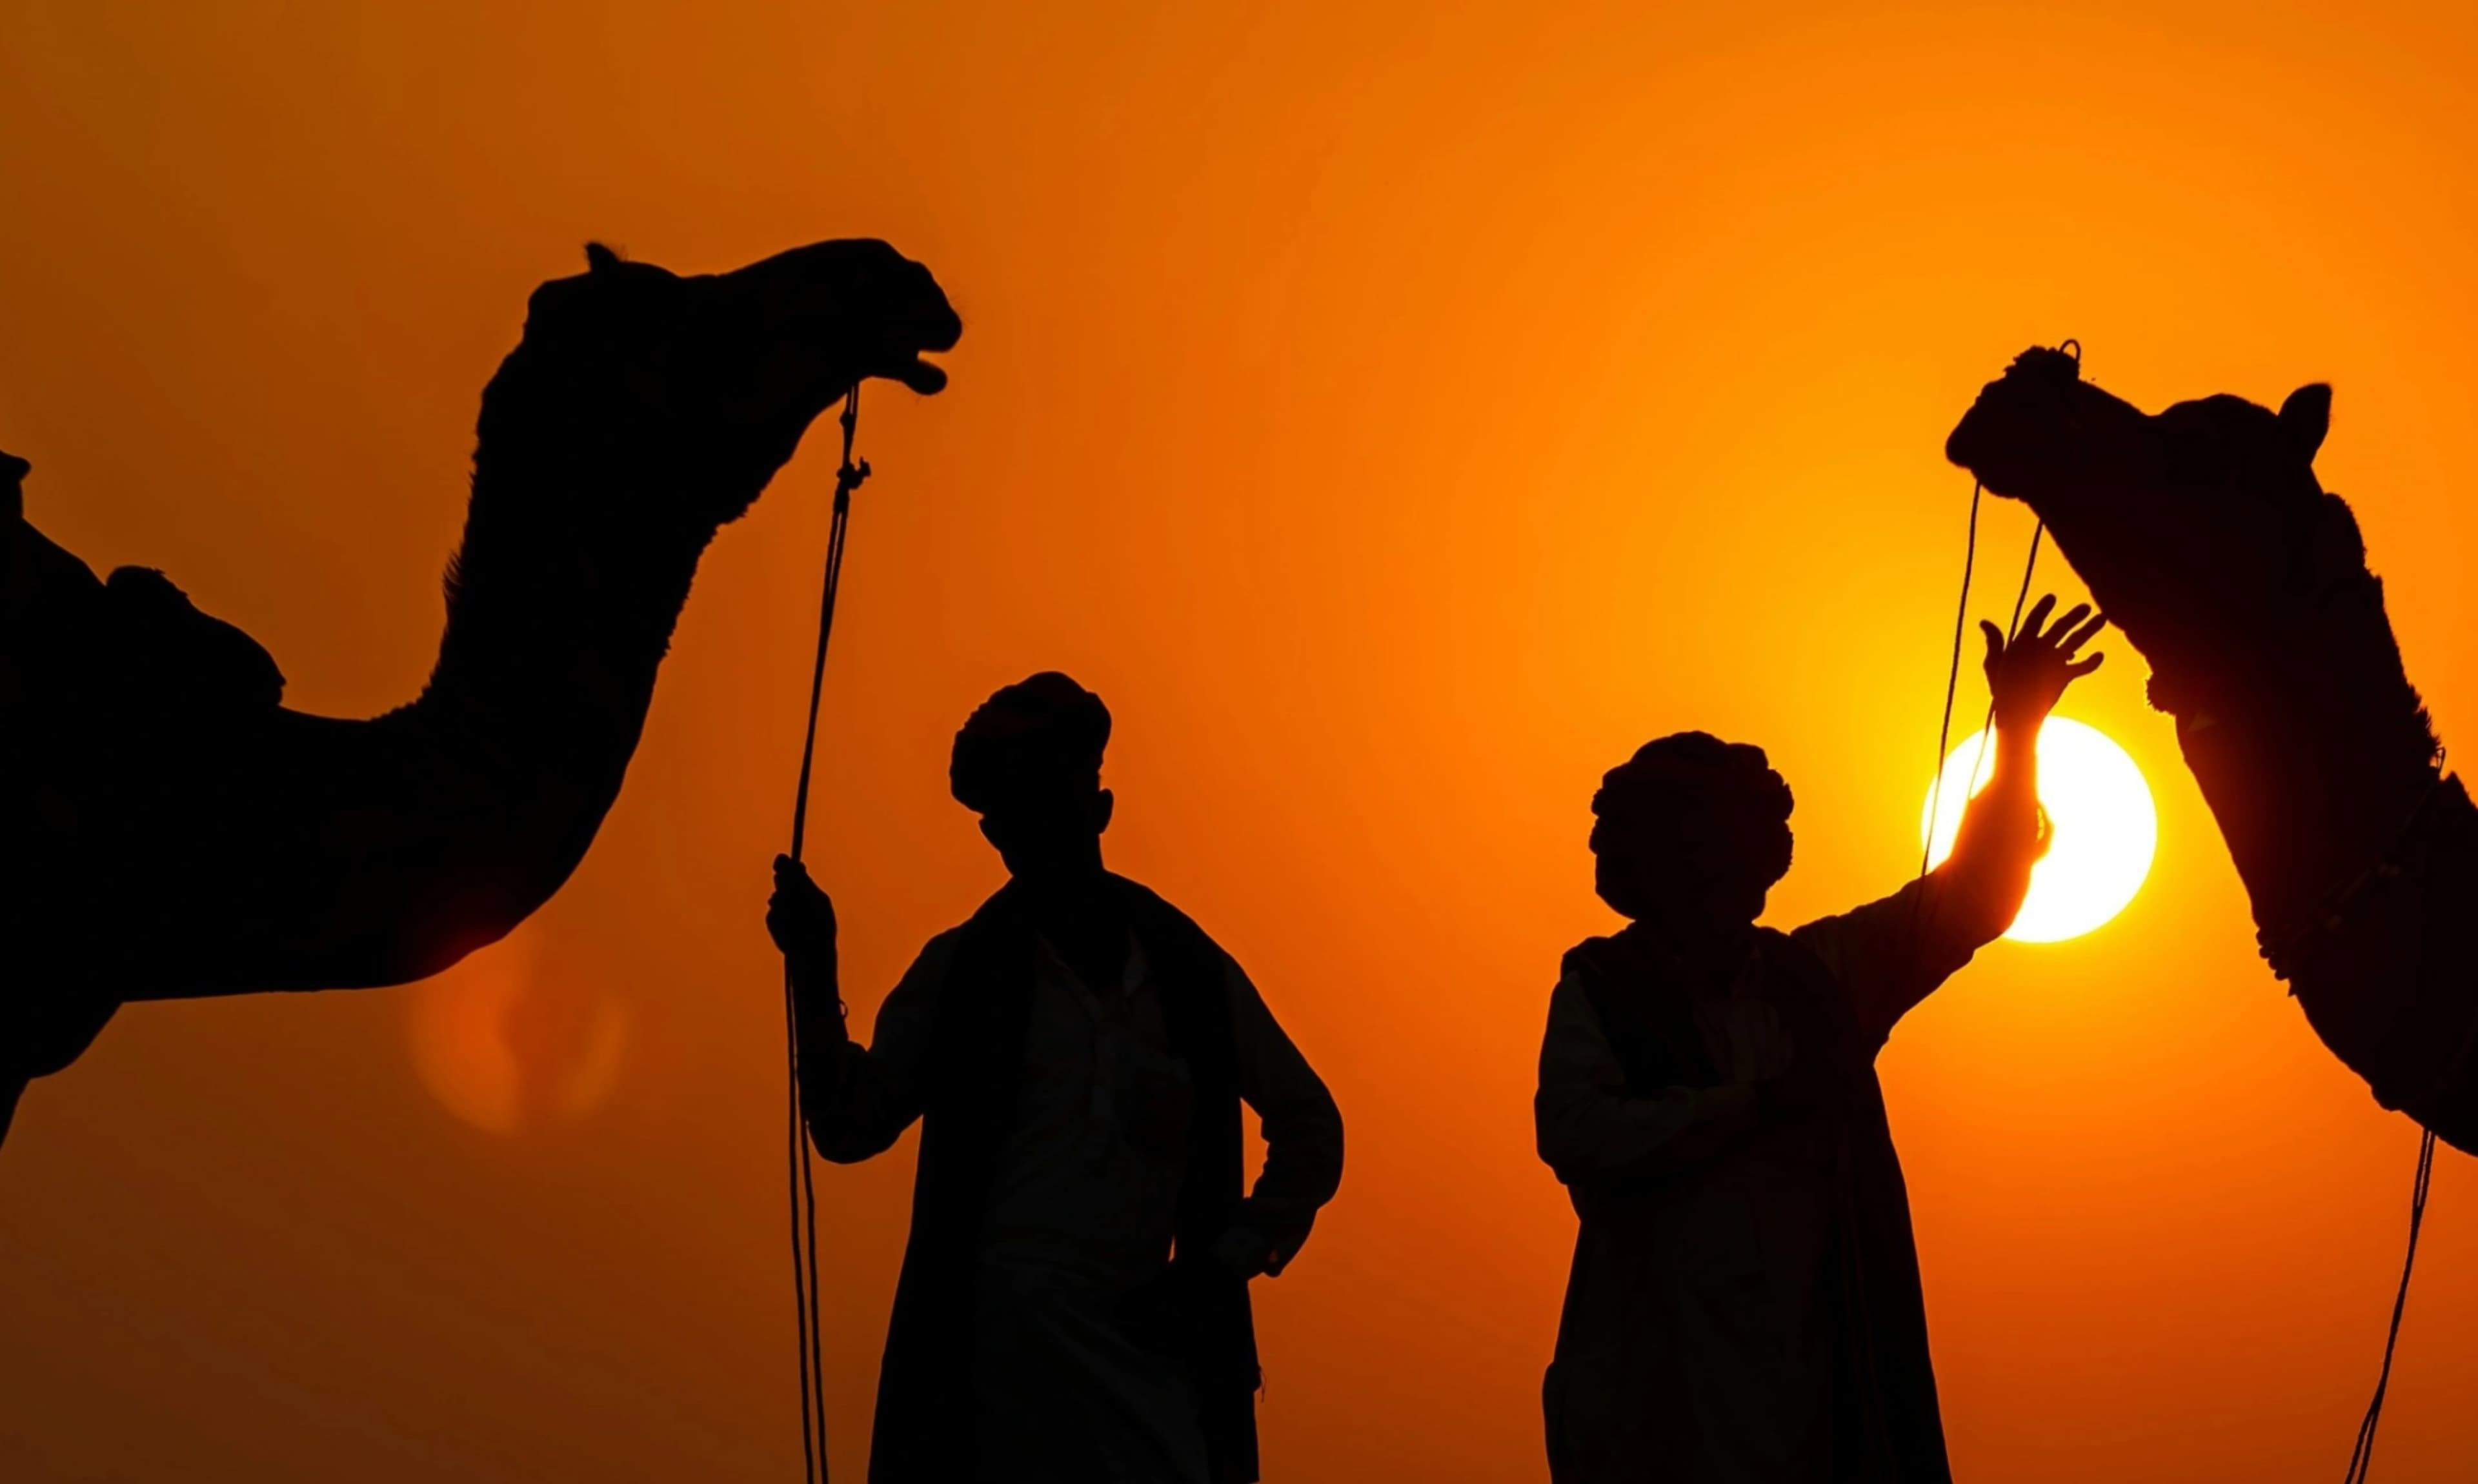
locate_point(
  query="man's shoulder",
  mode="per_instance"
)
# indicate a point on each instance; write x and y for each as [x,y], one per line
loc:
[1835,938]
[939,954]
[1776,939]
[1153,914]
[1140,897]
[1813,945]
[1603,956]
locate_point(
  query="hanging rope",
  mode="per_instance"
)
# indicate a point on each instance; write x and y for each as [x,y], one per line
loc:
[1953,683]
[2012,630]
[1952,671]
[802,1182]
[1951,680]
[2362,1458]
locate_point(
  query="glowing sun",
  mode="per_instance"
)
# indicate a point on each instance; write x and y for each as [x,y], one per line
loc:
[2104,827]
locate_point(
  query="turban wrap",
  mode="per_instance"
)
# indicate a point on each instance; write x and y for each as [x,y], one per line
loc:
[1693,791]
[1036,738]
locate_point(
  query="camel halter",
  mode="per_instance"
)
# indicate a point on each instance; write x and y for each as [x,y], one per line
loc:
[803,1187]
[2362,1456]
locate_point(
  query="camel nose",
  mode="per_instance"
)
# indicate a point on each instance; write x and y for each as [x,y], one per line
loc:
[941,327]
[1968,444]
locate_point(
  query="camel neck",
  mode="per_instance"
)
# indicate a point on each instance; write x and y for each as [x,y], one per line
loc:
[579,549]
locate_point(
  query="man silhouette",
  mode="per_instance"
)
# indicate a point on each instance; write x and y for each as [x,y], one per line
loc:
[1074,1301]
[1744,1306]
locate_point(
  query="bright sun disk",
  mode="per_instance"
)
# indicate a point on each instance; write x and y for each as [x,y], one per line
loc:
[2103,827]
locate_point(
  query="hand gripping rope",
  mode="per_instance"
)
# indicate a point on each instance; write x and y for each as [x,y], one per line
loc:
[803,1189]
[2362,1456]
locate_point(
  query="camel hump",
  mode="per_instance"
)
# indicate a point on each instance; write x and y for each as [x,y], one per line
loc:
[189,660]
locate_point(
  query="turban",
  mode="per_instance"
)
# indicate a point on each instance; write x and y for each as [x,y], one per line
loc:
[1693,790]
[1041,736]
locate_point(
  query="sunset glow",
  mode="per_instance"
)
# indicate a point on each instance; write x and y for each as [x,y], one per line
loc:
[1397,413]
[2103,829]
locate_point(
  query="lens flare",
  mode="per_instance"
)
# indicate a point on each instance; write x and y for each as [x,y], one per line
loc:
[2104,828]
[510,1043]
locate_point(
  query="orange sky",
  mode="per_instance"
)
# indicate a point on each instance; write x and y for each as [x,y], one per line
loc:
[1398,417]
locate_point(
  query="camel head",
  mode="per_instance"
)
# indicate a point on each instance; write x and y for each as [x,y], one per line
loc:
[2190,526]
[708,381]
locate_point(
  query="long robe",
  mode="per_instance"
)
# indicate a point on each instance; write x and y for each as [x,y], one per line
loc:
[1744,1306]
[1071,1373]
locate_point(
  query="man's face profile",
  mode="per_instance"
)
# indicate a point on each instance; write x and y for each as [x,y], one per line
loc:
[1043,830]
[1029,761]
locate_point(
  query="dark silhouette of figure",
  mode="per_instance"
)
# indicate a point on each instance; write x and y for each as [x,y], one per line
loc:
[2207,536]
[1073,1303]
[1744,1305]
[169,829]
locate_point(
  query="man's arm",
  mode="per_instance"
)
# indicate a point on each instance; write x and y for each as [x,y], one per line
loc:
[857,1099]
[1302,1131]
[1892,954]
[1590,1128]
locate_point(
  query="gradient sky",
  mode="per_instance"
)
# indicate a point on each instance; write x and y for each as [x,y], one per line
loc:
[1398,416]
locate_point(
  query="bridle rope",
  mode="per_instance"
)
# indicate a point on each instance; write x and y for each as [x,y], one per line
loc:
[801,1180]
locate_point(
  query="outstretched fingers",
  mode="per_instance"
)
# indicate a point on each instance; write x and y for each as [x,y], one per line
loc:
[2036,618]
[2053,634]
[2076,627]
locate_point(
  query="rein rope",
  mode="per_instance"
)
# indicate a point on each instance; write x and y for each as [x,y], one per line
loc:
[1952,683]
[2361,1457]
[799,1172]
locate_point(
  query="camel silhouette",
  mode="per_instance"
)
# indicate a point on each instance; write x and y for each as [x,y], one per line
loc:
[169,829]
[2205,537]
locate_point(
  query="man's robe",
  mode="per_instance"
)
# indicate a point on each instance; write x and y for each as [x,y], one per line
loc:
[1075,1135]
[1744,1306]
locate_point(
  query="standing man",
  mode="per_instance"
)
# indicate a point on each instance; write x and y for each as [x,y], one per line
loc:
[1073,1303]
[1744,1306]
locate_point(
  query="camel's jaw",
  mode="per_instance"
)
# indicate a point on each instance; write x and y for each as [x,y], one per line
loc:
[914,321]
[856,302]
[936,331]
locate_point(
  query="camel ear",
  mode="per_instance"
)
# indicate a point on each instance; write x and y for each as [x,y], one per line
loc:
[2306,417]
[599,258]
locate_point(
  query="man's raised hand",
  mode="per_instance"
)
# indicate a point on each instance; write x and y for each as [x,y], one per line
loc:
[2026,677]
